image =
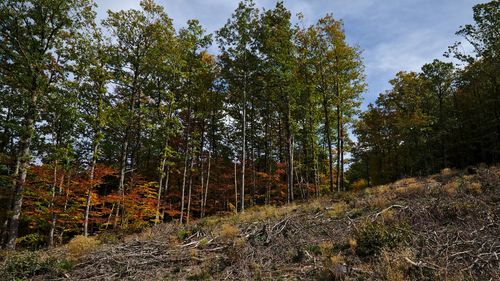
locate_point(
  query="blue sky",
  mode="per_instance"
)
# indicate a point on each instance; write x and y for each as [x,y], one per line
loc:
[393,34]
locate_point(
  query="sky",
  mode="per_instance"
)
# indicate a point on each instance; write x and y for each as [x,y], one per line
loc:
[394,35]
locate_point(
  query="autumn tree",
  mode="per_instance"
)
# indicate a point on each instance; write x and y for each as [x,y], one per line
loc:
[34,36]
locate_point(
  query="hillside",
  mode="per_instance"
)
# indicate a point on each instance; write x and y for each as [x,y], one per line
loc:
[443,227]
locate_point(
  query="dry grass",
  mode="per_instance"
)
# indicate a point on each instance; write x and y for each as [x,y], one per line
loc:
[394,265]
[337,209]
[228,231]
[81,245]
[450,188]
[260,213]
[444,227]
[379,202]
[474,188]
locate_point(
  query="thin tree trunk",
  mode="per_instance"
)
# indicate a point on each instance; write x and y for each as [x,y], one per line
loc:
[51,205]
[339,150]
[290,196]
[68,183]
[235,188]
[206,187]
[190,188]
[110,215]
[329,142]
[244,155]
[186,151]
[184,185]
[167,181]
[121,186]
[24,159]
[253,177]
[160,183]
[200,159]
[342,156]
[89,190]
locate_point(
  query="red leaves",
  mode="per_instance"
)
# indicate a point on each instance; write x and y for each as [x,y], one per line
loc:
[53,190]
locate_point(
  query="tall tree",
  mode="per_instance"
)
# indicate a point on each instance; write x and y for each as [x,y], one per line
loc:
[140,36]
[277,48]
[239,68]
[34,37]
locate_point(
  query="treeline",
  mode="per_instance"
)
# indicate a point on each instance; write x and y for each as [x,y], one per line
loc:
[443,116]
[128,122]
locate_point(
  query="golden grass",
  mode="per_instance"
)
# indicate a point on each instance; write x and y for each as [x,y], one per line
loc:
[393,265]
[260,213]
[228,231]
[338,209]
[450,188]
[474,188]
[81,245]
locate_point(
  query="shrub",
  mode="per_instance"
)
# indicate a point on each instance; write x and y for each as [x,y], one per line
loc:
[372,237]
[24,265]
[474,188]
[109,238]
[228,231]
[359,184]
[378,202]
[450,188]
[335,268]
[337,209]
[183,234]
[353,244]
[31,241]
[81,245]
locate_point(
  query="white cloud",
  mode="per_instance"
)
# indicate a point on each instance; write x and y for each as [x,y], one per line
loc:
[408,52]
[394,34]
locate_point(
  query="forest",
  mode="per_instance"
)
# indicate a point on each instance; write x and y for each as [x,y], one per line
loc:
[124,123]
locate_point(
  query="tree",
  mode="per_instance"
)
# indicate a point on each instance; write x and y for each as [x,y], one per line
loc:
[239,68]
[92,77]
[34,38]
[340,81]
[277,48]
[140,37]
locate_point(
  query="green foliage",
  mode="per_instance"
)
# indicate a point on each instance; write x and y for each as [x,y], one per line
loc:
[372,237]
[31,241]
[437,118]
[25,265]
[183,233]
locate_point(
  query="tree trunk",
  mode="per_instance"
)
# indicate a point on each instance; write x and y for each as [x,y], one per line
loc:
[339,150]
[51,205]
[289,133]
[123,166]
[329,141]
[24,159]
[200,159]
[184,184]
[342,156]
[186,151]
[235,188]
[188,216]
[206,187]
[160,183]
[89,190]
[243,149]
